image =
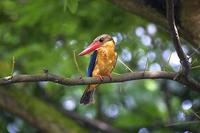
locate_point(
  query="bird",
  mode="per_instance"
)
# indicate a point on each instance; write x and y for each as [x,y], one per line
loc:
[102,62]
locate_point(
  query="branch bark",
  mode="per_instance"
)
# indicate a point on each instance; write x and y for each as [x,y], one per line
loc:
[87,80]
[175,36]
[177,44]
[84,81]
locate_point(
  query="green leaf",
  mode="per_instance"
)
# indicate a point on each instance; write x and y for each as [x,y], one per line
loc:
[65,5]
[72,5]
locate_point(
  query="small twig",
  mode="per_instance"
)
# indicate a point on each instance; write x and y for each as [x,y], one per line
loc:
[196,67]
[116,73]
[165,68]
[182,123]
[194,61]
[176,76]
[196,114]
[125,65]
[169,58]
[146,64]
[76,63]
[196,51]
[13,66]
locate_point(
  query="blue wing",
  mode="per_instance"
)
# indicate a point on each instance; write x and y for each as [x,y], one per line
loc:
[92,63]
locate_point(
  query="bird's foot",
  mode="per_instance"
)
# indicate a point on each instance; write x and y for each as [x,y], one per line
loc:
[100,77]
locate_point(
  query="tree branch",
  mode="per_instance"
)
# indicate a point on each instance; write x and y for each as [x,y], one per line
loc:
[84,81]
[177,44]
[175,36]
[87,80]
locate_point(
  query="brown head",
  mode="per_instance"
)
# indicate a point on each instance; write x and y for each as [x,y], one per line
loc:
[97,43]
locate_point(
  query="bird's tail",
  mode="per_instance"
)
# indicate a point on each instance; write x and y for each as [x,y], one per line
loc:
[87,96]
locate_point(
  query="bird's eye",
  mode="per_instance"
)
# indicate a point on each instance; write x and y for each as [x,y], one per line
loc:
[101,39]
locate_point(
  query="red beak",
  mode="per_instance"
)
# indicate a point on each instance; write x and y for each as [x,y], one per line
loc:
[93,46]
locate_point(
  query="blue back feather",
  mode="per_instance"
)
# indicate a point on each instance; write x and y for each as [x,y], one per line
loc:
[92,63]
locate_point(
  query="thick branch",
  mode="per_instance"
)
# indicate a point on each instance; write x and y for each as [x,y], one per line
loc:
[88,80]
[177,44]
[84,81]
[175,36]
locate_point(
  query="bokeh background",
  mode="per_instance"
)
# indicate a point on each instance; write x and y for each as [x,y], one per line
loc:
[42,34]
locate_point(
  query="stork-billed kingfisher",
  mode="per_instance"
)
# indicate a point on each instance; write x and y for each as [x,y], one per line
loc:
[102,62]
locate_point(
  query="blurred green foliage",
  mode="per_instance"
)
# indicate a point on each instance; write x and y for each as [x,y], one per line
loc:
[42,34]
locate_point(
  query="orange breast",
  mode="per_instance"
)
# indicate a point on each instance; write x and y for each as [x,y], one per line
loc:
[106,60]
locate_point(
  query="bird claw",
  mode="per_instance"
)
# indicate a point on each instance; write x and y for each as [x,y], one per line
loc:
[100,77]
